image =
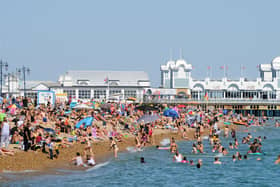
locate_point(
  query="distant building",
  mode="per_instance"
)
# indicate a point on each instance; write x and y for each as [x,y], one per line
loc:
[85,85]
[176,81]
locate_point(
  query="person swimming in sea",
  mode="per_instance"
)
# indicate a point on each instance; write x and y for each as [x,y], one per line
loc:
[178,157]
[226,132]
[278,160]
[185,160]
[239,157]
[236,144]
[230,145]
[233,158]
[173,146]
[200,147]
[191,162]
[224,151]
[194,149]
[217,161]
[244,140]
[199,163]
[142,160]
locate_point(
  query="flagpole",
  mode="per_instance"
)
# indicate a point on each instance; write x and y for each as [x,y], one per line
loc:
[224,70]
[210,72]
[108,88]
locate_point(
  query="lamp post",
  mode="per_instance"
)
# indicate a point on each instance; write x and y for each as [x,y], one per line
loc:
[8,77]
[2,65]
[24,70]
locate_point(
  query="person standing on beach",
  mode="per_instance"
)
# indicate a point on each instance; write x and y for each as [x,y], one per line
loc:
[51,147]
[114,146]
[26,137]
[5,133]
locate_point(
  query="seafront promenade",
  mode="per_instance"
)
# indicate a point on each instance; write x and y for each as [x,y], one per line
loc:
[228,101]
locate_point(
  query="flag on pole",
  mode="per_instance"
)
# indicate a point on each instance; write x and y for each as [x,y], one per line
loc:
[106,80]
[206,96]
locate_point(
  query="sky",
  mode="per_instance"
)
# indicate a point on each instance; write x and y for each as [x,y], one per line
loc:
[53,36]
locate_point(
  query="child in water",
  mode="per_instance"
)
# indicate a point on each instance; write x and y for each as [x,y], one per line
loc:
[142,160]
[233,158]
[191,162]
[185,160]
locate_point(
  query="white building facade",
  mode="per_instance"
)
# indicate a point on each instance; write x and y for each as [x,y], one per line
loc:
[87,85]
[176,75]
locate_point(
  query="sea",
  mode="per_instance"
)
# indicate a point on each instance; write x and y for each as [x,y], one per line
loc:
[160,170]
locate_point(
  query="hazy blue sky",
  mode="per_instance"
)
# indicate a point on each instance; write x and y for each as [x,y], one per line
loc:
[54,36]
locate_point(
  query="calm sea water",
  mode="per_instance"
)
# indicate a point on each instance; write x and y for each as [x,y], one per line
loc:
[159,169]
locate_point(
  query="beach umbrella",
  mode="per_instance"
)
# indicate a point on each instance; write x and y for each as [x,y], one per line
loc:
[73,104]
[131,99]
[49,130]
[148,118]
[82,106]
[145,108]
[86,121]
[181,106]
[171,113]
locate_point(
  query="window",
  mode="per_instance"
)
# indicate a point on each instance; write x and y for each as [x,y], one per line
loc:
[129,93]
[84,94]
[31,94]
[115,92]
[99,94]
[166,76]
[70,93]
[83,82]
[181,74]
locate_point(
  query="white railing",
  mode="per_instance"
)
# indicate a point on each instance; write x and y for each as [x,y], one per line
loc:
[215,101]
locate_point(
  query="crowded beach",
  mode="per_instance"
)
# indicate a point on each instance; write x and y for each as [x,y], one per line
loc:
[76,134]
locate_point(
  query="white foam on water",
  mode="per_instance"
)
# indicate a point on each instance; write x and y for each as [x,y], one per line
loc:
[219,155]
[165,142]
[98,166]
[131,149]
[23,171]
[205,137]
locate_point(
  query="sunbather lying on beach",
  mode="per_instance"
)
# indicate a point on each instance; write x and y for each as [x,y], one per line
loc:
[6,152]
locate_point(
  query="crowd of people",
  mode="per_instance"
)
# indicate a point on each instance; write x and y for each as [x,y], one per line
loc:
[254,145]
[48,128]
